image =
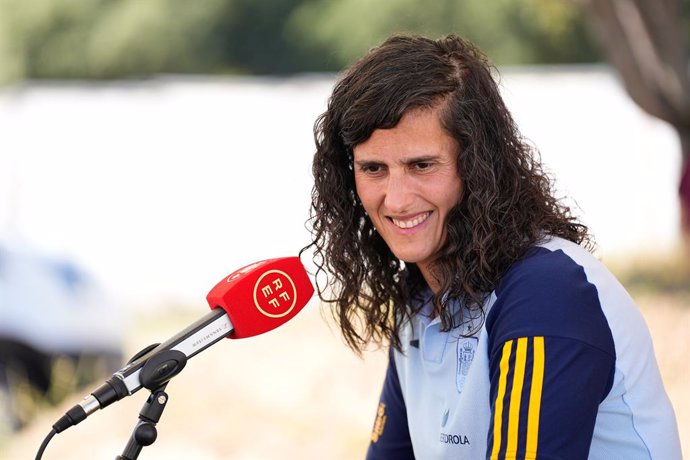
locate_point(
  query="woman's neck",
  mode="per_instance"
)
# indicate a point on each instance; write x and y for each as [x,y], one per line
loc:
[430,279]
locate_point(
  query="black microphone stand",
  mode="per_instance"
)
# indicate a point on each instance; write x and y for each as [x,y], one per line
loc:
[155,375]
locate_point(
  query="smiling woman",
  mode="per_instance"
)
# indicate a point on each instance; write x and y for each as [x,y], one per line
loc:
[439,233]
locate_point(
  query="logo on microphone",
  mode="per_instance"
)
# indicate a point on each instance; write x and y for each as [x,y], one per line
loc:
[275,294]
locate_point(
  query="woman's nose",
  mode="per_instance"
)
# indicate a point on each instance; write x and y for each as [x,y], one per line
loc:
[399,193]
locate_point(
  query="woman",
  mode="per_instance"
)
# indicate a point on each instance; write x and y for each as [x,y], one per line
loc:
[439,234]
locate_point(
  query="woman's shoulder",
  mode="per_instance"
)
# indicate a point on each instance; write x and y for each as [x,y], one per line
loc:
[553,291]
[555,263]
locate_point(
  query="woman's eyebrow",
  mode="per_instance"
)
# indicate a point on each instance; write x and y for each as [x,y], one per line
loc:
[406,161]
[367,162]
[421,158]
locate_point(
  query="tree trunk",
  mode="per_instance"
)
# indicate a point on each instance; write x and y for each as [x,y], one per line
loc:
[644,41]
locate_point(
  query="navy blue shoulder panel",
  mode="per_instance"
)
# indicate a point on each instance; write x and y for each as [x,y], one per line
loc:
[547,332]
[548,294]
[390,437]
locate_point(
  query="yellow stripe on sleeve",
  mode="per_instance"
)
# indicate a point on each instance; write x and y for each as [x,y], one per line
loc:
[535,400]
[498,410]
[515,397]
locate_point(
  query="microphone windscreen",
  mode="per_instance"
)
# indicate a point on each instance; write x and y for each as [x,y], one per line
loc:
[262,296]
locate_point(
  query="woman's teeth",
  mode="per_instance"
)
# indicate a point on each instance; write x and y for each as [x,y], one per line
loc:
[412,222]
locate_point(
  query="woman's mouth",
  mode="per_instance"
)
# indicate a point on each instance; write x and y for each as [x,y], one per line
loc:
[410,223]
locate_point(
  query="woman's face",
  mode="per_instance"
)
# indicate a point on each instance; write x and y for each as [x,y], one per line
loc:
[407,181]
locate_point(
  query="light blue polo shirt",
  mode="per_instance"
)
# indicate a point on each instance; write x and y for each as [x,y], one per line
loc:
[562,368]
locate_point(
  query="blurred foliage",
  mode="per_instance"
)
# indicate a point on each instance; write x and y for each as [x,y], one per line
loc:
[510,31]
[133,38]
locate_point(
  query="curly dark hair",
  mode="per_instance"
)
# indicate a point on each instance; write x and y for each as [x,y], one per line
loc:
[507,205]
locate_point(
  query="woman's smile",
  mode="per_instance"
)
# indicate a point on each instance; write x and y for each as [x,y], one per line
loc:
[410,222]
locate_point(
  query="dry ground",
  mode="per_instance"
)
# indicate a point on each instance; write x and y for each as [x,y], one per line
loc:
[296,393]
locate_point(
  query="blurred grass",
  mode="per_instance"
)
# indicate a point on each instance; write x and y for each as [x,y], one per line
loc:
[665,273]
[300,393]
[295,393]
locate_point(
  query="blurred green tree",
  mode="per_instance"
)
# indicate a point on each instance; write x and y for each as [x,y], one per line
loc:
[509,31]
[106,38]
[130,38]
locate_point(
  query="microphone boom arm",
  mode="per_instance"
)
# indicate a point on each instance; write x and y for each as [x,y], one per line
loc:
[196,337]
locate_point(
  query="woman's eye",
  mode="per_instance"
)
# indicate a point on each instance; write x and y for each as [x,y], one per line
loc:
[371,168]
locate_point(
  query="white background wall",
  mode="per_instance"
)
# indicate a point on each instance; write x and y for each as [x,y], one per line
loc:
[162,187]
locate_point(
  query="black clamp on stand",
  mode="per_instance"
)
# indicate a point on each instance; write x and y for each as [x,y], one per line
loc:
[155,375]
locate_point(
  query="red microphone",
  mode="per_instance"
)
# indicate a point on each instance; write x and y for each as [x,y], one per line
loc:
[250,301]
[262,296]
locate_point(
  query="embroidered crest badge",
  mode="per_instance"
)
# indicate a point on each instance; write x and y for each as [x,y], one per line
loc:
[467,346]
